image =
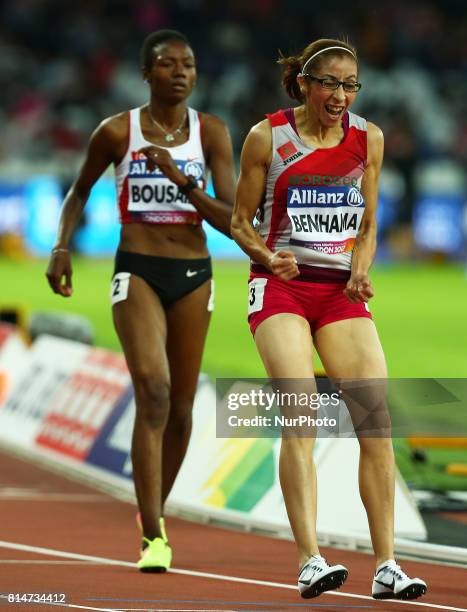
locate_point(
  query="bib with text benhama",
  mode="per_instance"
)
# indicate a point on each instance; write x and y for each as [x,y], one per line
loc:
[325,219]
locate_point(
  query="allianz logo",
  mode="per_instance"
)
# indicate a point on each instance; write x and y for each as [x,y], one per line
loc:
[305,195]
[194,169]
[354,197]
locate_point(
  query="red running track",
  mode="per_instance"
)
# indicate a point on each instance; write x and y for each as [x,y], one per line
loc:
[91,544]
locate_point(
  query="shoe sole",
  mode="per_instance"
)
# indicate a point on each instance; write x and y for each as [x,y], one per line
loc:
[330,582]
[153,570]
[411,592]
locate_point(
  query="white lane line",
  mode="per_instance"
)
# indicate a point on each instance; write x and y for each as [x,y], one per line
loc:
[64,554]
[42,562]
[103,560]
[21,494]
[65,605]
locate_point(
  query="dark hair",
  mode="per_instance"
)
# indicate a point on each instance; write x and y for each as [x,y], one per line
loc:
[294,63]
[158,38]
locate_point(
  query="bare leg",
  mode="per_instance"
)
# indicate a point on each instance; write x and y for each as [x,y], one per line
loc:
[351,349]
[141,326]
[187,326]
[297,475]
[377,484]
[285,346]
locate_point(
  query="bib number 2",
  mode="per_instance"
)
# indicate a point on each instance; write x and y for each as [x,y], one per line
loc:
[119,287]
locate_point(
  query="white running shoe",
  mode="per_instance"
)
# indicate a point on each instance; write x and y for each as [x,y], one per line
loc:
[316,576]
[390,582]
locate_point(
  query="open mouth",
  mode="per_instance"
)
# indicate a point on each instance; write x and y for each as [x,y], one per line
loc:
[334,111]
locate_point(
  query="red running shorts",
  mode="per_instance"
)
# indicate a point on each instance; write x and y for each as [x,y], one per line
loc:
[318,303]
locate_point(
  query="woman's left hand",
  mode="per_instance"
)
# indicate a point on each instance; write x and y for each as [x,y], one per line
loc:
[359,288]
[157,157]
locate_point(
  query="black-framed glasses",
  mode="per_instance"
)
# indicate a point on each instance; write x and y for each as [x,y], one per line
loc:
[330,83]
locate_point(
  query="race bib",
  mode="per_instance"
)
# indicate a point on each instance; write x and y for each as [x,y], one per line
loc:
[119,287]
[152,191]
[325,219]
[256,294]
[211,297]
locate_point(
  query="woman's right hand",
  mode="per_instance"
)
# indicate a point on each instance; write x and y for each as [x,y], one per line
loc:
[59,272]
[283,264]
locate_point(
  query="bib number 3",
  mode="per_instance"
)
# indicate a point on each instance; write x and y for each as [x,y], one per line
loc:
[256,294]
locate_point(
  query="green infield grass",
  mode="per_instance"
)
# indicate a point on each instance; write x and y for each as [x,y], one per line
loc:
[419,311]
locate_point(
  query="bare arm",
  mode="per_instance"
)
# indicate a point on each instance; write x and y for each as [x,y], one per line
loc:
[219,156]
[255,160]
[218,146]
[359,287]
[105,145]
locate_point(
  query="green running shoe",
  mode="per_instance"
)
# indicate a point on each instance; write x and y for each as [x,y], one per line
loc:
[161,522]
[156,557]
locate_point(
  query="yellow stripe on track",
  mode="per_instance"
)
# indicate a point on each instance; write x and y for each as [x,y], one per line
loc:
[436,442]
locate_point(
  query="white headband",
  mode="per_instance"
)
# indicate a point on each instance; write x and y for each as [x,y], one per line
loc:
[303,72]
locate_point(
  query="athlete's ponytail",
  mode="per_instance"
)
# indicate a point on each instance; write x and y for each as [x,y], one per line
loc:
[292,68]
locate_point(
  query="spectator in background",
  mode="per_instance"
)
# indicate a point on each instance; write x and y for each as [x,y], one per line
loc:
[85,72]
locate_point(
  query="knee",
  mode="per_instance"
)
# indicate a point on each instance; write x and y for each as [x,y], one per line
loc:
[180,417]
[152,399]
[301,446]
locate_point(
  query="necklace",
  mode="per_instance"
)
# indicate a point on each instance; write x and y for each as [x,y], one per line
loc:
[169,136]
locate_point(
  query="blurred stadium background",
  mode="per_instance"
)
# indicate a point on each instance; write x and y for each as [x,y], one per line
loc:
[64,67]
